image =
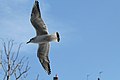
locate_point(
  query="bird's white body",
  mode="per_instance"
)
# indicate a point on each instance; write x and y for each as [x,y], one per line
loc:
[45,38]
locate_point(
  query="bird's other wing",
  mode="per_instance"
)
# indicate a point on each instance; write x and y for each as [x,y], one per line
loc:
[37,21]
[42,54]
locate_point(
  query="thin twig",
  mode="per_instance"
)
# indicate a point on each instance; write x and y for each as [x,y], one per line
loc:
[37,77]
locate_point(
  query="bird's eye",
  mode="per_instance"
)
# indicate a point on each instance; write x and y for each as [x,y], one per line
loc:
[31,14]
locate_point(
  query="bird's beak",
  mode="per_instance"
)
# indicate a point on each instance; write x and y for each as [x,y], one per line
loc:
[28,42]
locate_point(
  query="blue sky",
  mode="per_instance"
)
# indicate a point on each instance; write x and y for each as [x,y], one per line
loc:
[90,36]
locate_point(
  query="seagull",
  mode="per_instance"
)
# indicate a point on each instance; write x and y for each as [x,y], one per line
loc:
[42,37]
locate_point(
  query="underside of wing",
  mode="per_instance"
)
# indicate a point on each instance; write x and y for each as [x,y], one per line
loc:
[42,54]
[37,21]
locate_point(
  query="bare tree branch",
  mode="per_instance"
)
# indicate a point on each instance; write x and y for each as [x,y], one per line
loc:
[37,77]
[11,64]
[4,45]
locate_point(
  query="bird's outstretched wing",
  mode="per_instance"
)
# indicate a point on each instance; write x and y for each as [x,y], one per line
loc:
[42,54]
[41,29]
[37,21]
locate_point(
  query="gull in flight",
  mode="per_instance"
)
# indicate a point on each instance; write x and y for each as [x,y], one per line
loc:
[42,37]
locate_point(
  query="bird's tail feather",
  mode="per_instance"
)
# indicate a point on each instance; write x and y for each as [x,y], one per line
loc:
[57,37]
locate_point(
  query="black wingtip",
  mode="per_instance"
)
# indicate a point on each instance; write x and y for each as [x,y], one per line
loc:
[37,4]
[49,70]
[36,0]
[49,73]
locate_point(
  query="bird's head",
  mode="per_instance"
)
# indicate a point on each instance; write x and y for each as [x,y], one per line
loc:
[30,41]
